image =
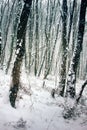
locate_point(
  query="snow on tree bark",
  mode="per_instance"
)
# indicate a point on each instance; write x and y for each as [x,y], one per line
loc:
[20,50]
[71,79]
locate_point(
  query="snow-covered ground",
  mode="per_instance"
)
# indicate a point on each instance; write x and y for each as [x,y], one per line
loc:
[36,109]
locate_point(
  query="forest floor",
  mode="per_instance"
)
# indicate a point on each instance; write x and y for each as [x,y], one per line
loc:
[36,109]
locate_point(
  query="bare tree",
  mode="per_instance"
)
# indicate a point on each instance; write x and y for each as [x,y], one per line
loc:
[0,43]
[62,75]
[71,19]
[2,10]
[20,51]
[71,79]
[36,41]
[0,31]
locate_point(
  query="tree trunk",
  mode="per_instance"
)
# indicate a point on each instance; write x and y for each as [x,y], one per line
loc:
[71,20]
[71,79]
[0,43]
[62,79]
[0,34]
[2,10]
[30,32]
[20,50]
[36,41]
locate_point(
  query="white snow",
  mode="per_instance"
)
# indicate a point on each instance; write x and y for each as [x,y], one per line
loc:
[35,108]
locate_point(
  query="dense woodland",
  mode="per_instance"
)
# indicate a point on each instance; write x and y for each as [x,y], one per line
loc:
[45,37]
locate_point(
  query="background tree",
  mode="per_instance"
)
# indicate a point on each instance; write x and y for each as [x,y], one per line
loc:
[2,10]
[0,32]
[16,18]
[36,40]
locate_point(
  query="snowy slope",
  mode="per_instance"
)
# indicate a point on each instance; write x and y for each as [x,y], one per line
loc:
[35,108]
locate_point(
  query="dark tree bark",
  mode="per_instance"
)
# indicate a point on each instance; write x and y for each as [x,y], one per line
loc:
[71,80]
[0,34]
[62,79]
[36,41]
[80,94]
[20,51]
[31,28]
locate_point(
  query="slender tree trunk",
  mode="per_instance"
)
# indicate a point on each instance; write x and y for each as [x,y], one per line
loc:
[75,19]
[0,43]
[71,19]
[42,62]
[31,27]
[71,79]
[0,34]
[20,50]
[2,10]
[62,79]
[48,33]
[53,50]
[36,41]
[71,22]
